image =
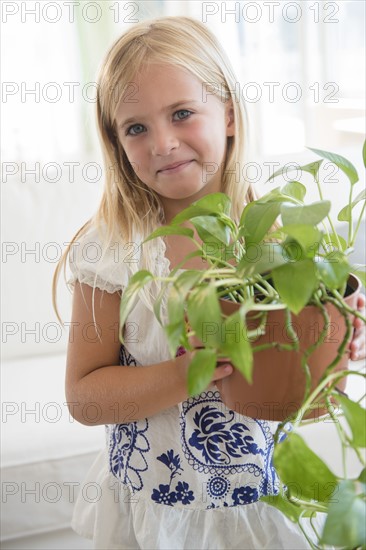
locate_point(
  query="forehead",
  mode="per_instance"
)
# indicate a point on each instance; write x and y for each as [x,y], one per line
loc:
[158,85]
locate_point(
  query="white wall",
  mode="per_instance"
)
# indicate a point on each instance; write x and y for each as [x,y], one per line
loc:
[36,214]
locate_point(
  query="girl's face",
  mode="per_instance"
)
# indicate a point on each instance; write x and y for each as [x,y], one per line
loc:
[174,135]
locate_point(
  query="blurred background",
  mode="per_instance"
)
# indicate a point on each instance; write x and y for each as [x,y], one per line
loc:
[301,70]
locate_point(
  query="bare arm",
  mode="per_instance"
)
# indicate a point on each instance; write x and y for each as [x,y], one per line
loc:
[98,389]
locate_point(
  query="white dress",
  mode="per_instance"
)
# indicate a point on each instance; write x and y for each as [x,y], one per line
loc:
[189,477]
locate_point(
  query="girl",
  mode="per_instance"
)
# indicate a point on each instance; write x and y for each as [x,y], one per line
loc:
[177,472]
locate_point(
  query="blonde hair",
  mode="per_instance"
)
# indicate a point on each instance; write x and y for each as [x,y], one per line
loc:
[128,207]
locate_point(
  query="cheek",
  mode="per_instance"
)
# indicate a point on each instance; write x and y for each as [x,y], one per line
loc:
[132,152]
[211,136]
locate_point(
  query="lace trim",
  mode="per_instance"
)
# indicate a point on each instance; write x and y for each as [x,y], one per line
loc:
[161,259]
[161,268]
[93,280]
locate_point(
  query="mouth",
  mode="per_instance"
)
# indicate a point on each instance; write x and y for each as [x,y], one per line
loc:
[176,167]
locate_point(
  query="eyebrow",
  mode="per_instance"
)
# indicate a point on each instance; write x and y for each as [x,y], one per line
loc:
[168,108]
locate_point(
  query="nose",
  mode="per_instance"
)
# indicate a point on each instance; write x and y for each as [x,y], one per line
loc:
[163,141]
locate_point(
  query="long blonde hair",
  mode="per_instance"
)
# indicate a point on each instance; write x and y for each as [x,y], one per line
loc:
[128,207]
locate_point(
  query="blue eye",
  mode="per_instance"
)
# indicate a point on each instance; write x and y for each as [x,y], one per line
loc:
[182,114]
[135,130]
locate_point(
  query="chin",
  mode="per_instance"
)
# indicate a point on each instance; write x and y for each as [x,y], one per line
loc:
[184,194]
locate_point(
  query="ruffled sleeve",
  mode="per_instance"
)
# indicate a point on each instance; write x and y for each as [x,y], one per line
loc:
[106,266]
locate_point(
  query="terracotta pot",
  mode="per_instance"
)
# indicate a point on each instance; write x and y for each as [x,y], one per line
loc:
[278,379]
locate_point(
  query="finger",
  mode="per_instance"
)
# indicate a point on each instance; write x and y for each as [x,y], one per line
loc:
[358,345]
[361,301]
[358,323]
[222,371]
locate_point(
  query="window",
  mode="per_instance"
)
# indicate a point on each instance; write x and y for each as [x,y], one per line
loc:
[301,69]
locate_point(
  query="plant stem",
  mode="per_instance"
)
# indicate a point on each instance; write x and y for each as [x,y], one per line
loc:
[343,344]
[313,526]
[340,433]
[334,376]
[218,260]
[350,225]
[311,349]
[316,178]
[310,542]
[316,507]
[357,226]
[279,347]
[356,313]
[359,455]
[290,330]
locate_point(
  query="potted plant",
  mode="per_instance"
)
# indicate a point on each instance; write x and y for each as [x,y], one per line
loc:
[276,285]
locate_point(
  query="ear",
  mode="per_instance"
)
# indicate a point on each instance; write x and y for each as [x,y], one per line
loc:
[229,118]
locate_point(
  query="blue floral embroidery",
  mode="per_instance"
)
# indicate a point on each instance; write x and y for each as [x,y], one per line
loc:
[182,493]
[245,495]
[164,496]
[173,462]
[220,443]
[128,444]
[217,440]
[218,487]
[126,358]
[209,433]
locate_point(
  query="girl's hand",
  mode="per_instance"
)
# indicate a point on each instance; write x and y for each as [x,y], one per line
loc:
[358,343]
[223,367]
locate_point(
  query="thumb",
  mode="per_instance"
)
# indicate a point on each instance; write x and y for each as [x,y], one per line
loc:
[222,371]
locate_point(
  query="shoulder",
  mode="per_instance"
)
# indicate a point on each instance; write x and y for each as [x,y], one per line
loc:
[101,261]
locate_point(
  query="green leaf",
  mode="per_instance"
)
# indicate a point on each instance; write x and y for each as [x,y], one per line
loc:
[211,246]
[200,371]
[204,314]
[235,343]
[364,153]
[332,239]
[360,274]
[218,203]
[343,164]
[261,258]
[312,168]
[333,269]
[356,419]
[291,510]
[257,219]
[294,189]
[186,280]
[190,213]
[213,204]
[362,476]
[176,276]
[300,469]
[213,229]
[274,195]
[345,524]
[136,283]
[307,236]
[345,214]
[309,214]
[175,305]
[170,230]
[278,172]
[295,283]
[293,251]
[174,333]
